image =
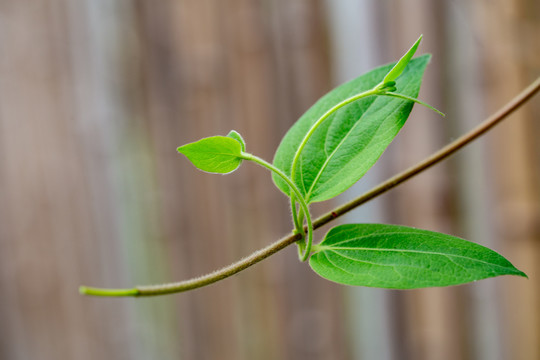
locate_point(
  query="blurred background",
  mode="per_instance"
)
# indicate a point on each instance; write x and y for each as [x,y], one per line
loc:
[95,96]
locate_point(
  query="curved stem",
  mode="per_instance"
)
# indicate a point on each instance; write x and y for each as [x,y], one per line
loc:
[262,254]
[321,119]
[405,97]
[87,290]
[181,286]
[319,122]
[296,220]
[300,229]
[300,199]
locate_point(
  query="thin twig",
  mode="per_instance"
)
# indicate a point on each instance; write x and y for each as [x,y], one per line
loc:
[262,254]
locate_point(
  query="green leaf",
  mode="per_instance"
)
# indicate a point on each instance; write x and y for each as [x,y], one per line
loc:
[398,257]
[348,143]
[402,63]
[216,154]
[233,134]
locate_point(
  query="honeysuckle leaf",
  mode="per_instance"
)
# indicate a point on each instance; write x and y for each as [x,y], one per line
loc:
[347,144]
[216,154]
[399,257]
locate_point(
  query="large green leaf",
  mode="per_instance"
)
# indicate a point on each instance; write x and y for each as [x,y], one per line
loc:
[398,257]
[216,154]
[350,140]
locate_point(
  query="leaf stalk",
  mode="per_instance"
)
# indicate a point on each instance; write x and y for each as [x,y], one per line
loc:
[306,248]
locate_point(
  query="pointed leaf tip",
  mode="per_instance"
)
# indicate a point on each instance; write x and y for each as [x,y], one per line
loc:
[402,63]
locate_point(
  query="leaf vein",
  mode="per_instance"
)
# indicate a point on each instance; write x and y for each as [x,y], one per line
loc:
[334,249]
[329,158]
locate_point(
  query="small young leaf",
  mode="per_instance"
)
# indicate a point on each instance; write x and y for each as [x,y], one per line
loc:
[216,154]
[233,134]
[351,140]
[398,257]
[402,63]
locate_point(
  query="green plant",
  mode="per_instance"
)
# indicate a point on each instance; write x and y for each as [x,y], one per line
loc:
[325,152]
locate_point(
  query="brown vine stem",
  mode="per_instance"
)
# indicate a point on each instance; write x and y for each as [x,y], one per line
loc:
[262,254]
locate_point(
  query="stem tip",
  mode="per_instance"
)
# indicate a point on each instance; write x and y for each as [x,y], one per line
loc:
[86,290]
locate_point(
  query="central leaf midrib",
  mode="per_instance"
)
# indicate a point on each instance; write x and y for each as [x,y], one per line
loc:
[449,256]
[369,263]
